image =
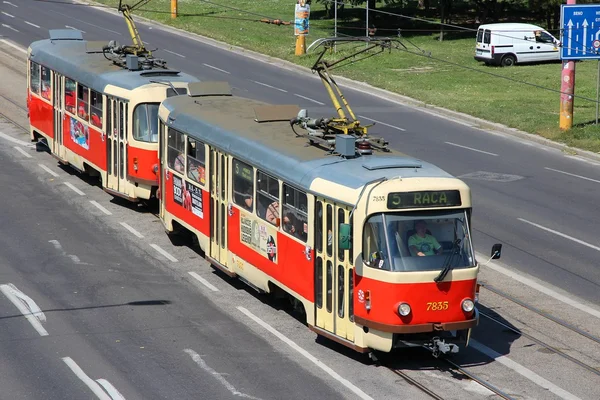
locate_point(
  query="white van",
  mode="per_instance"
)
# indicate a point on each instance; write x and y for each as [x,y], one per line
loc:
[507,44]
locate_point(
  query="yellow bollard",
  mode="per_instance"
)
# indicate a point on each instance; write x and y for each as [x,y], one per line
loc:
[300,45]
[173,8]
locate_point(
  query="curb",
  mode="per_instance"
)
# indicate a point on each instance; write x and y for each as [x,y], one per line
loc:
[440,112]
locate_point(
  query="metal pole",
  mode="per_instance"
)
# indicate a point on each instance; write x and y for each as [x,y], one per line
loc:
[567,88]
[335,24]
[597,90]
[173,8]
[367,26]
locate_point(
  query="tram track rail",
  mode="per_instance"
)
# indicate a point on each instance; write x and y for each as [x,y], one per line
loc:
[541,313]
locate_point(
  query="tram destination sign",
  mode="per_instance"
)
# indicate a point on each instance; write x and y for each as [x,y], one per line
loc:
[424,199]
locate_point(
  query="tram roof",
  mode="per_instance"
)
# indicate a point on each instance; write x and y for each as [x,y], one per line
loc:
[71,58]
[228,123]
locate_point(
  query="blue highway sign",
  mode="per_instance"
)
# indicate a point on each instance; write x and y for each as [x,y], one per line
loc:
[580,33]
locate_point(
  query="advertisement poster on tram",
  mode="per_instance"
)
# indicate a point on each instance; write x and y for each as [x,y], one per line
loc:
[80,133]
[259,236]
[188,196]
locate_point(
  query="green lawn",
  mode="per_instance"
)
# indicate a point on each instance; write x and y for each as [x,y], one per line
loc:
[441,79]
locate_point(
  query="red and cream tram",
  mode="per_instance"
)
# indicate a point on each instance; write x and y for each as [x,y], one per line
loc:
[96,108]
[375,247]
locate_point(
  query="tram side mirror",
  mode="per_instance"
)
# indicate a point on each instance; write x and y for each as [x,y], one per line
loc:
[344,237]
[496,251]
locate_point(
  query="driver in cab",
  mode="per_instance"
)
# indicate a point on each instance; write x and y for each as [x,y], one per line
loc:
[423,244]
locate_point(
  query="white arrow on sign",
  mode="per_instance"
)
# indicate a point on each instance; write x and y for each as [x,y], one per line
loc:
[585,25]
[570,26]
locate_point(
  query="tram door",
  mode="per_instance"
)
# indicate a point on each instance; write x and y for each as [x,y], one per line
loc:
[57,81]
[116,144]
[218,207]
[333,281]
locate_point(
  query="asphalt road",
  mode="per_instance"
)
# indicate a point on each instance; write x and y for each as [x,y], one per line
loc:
[116,316]
[541,203]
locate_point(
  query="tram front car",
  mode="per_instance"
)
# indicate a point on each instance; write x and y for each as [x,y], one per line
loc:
[416,281]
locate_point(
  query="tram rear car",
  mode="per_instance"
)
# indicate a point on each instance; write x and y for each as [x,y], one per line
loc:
[331,231]
[97,111]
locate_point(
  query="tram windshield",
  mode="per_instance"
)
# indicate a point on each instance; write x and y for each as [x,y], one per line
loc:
[145,122]
[406,242]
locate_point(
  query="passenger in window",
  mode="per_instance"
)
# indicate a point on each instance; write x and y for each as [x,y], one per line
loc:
[248,199]
[81,111]
[272,212]
[422,243]
[45,90]
[179,164]
[196,171]
[96,120]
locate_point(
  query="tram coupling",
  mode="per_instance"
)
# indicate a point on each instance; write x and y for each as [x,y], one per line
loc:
[439,346]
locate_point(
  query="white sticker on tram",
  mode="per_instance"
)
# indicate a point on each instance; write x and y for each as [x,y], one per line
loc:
[306,354]
[204,281]
[27,306]
[540,288]
[130,229]
[73,188]
[100,207]
[163,252]
[89,382]
[518,368]
[202,364]
[20,150]
[383,123]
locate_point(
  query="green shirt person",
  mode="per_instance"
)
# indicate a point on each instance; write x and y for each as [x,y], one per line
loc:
[422,244]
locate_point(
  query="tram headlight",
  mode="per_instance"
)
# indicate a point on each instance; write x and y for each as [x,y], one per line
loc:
[468,305]
[404,309]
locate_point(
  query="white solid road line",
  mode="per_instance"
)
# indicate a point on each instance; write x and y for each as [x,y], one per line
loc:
[591,246]
[14,46]
[100,207]
[89,382]
[110,389]
[309,99]
[20,150]
[472,149]
[48,170]
[383,123]
[31,311]
[75,29]
[202,364]
[172,52]
[32,24]
[218,69]
[8,137]
[306,354]
[163,252]
[518,368]
[576,176]
[9,3]
[73,188]
[7,14]
[130,229]
[204,281]
[269,86]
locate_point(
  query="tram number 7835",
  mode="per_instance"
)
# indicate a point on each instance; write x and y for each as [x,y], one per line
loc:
[437,305]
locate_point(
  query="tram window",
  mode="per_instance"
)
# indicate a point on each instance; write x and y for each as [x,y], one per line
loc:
[176,92]
[34,77]
[196,161]
[145,122]
[223,174]
[340,294]
[329,285]
[243,185]
[319,283]
[45,82]
[83,102]
[108,116]
[350,250]
[351,294]
[329,231]
[70,88]
[341,220]
[319,227]
[176,151]
[96,108]
[375,253]
[121,160]
[295,212]
[267,197]
[125,117]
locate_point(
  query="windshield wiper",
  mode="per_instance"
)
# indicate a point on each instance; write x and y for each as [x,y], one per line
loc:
[448,261]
